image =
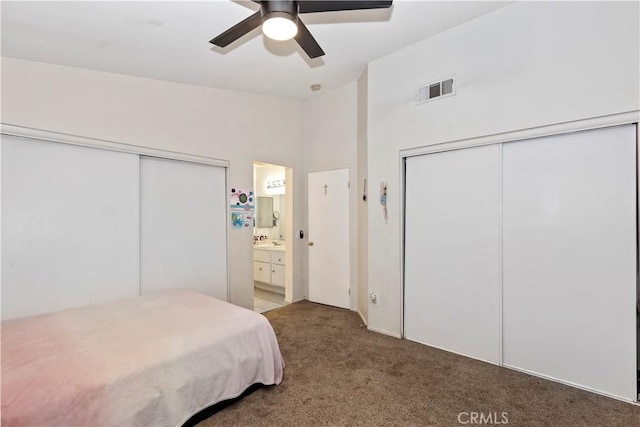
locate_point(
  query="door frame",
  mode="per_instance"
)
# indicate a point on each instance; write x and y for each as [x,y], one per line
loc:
[631,117]
[84,141]
[289,237]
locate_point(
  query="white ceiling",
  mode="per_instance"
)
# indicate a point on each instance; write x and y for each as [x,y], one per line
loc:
[169,40]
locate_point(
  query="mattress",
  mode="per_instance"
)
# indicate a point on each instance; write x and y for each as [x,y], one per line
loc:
[153,360]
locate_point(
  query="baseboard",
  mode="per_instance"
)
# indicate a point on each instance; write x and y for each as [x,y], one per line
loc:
[269,288]
[383,332]
[361,317]
[455,352]
[572,384]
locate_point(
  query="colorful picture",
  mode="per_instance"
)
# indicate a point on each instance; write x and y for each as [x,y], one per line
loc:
[240,220]
[244,200]
[243,204]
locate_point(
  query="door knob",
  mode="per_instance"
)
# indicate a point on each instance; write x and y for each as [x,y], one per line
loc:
[310,243]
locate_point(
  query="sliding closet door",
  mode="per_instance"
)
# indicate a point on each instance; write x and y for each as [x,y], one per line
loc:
[69,226]
[452,252]
[569,219]
[182,227]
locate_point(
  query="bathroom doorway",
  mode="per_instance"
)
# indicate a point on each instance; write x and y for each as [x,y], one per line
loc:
[272,237]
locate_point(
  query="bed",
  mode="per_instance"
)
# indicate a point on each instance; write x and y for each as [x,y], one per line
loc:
[154,360]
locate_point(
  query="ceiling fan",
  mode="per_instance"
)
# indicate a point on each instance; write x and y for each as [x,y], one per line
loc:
[280,21]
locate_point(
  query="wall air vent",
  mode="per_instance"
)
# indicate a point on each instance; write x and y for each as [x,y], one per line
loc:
[435,90]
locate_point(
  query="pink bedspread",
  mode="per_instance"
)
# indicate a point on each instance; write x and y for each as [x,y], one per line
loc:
[150,361]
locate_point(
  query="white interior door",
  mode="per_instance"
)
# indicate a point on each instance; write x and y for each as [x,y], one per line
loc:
[183,217]
[452,251]
[569,221]
[69,226]
[329,237]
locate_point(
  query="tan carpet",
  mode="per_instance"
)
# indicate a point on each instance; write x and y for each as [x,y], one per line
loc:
[340,374]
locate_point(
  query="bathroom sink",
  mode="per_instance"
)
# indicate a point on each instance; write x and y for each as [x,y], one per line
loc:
[269,245]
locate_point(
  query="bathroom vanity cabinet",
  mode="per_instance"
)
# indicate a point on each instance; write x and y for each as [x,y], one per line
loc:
[268,266]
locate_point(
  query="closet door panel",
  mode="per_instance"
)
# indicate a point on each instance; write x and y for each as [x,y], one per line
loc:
[569,230]
[183,216]
[69,226]
[452,252]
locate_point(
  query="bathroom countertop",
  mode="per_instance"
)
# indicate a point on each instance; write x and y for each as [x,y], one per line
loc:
[269,247]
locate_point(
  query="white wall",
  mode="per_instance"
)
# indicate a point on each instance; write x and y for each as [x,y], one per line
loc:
[525,65]
[330,142]
[234,126]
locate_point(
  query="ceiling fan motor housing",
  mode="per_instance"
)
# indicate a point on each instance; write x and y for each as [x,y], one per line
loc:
[279,9]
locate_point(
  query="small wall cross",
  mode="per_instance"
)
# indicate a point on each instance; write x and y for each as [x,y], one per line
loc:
[325,189]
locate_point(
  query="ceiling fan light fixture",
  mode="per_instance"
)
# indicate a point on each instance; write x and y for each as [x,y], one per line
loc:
[279,26]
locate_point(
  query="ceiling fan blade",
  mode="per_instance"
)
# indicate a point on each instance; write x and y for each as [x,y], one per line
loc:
[307,42]
[333,6]
[238,30]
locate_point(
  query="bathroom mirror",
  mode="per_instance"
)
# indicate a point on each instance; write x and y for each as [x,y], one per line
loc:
[264,215]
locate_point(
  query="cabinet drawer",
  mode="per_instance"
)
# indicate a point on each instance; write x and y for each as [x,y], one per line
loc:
[277,258]
[262,256]
[277,275]
[261,272]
